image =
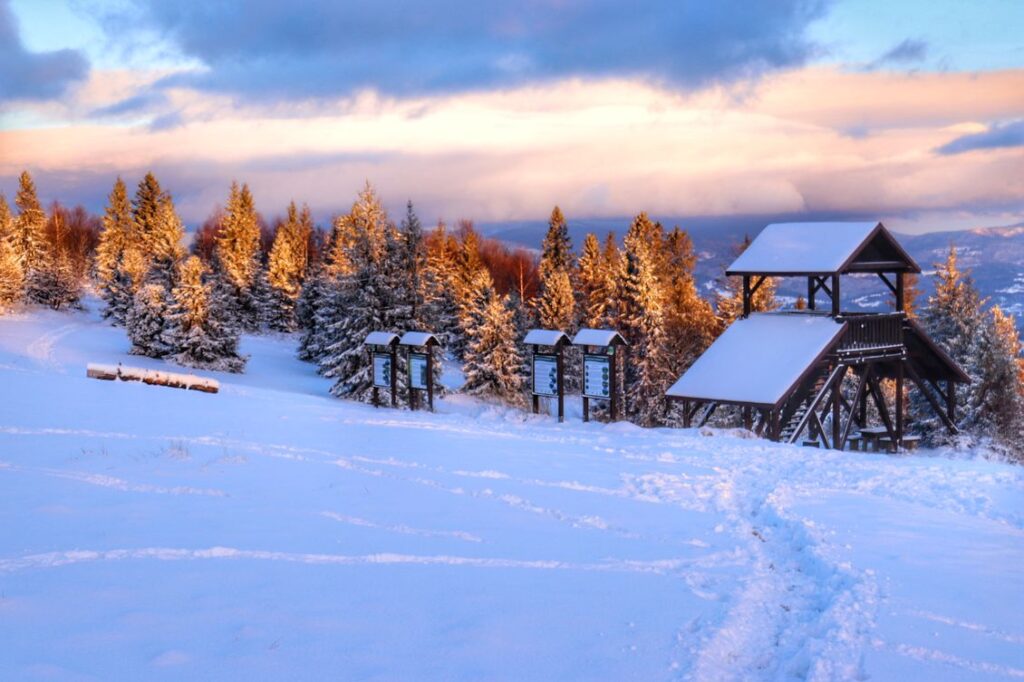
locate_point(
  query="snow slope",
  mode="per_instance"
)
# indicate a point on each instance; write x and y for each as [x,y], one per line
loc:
[271,532]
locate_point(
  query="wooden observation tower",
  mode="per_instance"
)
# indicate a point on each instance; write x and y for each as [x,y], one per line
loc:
[786,369]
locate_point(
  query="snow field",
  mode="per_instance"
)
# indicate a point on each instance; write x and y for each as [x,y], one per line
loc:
[272,532]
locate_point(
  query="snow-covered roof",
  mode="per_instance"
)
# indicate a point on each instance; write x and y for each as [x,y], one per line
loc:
[380,339]
[758,359]
[798,248]
[418,339]
[545,337]
[597,337]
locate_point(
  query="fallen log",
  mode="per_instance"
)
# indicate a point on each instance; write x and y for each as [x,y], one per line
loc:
[152,377]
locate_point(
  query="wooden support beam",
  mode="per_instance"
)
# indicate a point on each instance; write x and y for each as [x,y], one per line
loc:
[892,288]
[820,428]
[748,296]
[883,410]
[950,424]
[835,295]
[856,401]
[812,288]
[707,413]
[900,292]
[836,413]
[899,405]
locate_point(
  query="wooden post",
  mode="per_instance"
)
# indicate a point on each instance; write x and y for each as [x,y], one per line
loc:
[394,375]
[835,294]
[811,290]
[837,417]
[430,378]
[900,303]
[748,421]
[686,414]
[408,379]
[533,367]
[899,405]
[747,297]
[375,394]
[613,383]
[774,429]
[561,387]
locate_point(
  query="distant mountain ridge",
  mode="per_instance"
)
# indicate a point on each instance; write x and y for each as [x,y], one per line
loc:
[995,255]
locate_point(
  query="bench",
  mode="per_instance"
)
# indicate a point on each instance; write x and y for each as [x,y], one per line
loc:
[811,444]
[871,436]
[855,443]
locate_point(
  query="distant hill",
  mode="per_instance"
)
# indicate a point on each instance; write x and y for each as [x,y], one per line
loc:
[995,255]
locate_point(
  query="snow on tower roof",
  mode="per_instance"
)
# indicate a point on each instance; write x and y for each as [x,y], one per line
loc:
[802,248]
[418,339]
[380,339]
[597,337]
[545,337]
[758,359]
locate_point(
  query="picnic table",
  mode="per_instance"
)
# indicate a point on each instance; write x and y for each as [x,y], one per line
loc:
[872,436]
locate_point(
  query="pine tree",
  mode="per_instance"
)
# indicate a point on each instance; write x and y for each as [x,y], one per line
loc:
[199,333]
[494,365]
[591,278]
[28,236]
[286,268]
[146,321]
[641,322]
[118,235]
[238,254]
[729,305]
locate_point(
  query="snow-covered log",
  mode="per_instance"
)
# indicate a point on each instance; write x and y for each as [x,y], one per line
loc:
[153,377]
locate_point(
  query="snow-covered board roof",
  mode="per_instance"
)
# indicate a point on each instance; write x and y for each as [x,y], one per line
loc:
[545,337]
[801,248]
[418,339]
[380,339]
[758,359]
[596,337]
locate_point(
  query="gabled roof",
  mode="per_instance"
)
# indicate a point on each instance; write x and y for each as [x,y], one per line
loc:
[759,359]
[545,337]
[823,248]
[598,337]
[380,339]
[419,339]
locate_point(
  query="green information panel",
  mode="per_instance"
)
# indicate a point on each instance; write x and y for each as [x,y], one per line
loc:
[597,376]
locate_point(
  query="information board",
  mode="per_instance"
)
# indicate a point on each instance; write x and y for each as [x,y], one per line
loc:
[597,376]
[382,370]
[545,375]
[418,370]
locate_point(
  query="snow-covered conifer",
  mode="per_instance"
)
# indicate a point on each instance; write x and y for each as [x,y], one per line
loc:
[117,236]
[690,322]
[555,310]
[641,322]
[286,268]
[238,254]
[494,364]
[556,251]
[996,399]
[146,321]
[12,277]
[28,234]
[198,333]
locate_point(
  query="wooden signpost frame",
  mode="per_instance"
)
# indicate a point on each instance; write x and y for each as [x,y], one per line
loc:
[425,348]
[556,350]
[615,349]
[389,349]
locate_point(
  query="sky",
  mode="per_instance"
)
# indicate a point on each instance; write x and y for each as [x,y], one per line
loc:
[912,111]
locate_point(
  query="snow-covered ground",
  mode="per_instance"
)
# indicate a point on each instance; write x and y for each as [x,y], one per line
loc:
[271,532]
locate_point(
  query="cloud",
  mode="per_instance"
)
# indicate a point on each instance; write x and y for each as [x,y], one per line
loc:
[996,137]
[323,48]
[908,51]
[34,75]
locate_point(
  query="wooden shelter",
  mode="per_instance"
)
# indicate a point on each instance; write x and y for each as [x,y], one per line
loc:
[787,368]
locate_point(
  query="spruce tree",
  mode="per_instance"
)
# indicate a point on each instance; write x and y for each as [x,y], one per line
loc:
[555,310]
[54,282]
[952,319]
[238,254]
[556,251]
[164,249]
[591,278]
[641,322]
[28,236]
[146,210]
[494,364]
[439,288]
[146,321]
[286,268]
[690,322]
[117,236]
[198,332]
[6,220]
[996,402]
[12,277]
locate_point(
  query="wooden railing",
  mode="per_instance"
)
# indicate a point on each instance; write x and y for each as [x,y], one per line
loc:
[872,331]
